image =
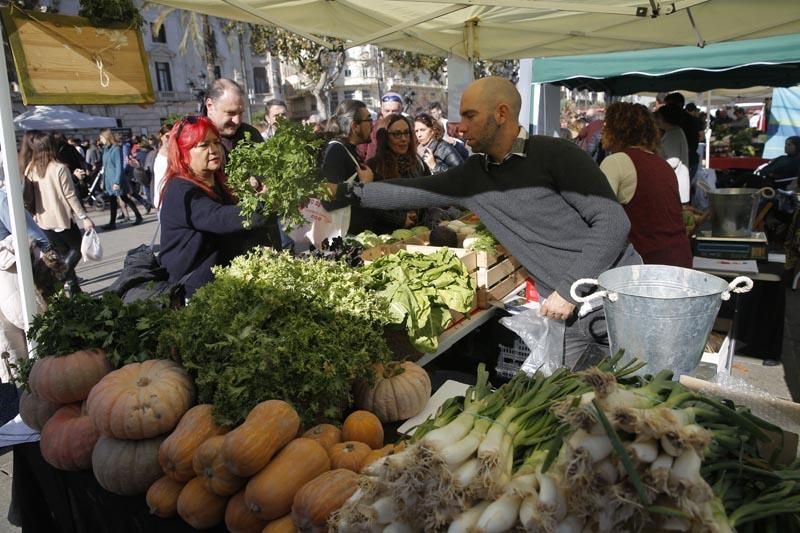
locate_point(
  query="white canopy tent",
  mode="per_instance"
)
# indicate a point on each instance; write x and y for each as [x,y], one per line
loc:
[471,29]
[46,117]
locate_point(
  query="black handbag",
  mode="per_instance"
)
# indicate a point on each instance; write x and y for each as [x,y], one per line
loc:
[9,395]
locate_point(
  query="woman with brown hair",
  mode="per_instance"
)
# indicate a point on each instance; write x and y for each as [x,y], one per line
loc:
[645,185]
[55,203]
[201,225]
[114,180]
[437,153]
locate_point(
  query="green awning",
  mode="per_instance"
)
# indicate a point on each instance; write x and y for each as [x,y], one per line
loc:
[773,61]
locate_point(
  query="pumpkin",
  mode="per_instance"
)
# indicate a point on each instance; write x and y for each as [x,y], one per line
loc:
[269,426]
[240,519]
[126,467]
[400,391]
[325,434]
[349,455]
[35,410]
[68,439]
[318,498]
[141,400]
[162,497]
[177,451]
[270,493]
[363,426]
[209,465]
[374,455]
[199,507]
[68,378]
[281,525]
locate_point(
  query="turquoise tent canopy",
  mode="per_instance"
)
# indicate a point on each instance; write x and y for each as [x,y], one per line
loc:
[774,61]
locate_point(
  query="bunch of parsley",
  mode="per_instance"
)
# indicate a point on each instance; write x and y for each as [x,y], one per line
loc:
[273,327]
[286,164]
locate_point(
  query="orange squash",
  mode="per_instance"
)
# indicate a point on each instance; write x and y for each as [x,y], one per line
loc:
[68,378]
[318,498]
[177,451]
[400,391]
[374,455]
[270,493]
[281,525]
[363,426]
[126,467]
[199,507]
[162,497]
[36,411]
[349,455]
[325,434]
[269,426]
[141,400]
[68,439]
[240,519]
[209,465]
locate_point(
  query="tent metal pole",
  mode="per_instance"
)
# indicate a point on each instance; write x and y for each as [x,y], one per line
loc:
[13,185]
[708,130]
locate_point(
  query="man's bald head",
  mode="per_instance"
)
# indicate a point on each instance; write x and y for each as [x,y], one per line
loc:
[490,115]
[494,91]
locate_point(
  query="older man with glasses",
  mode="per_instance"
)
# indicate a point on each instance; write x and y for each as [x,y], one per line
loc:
[391,104]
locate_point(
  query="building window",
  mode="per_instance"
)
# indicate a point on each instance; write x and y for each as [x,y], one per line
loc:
[366,97]
[349,95]
[159,36]
[334,101]
[163,77]
[217,72]
[347,73]
[260,81]
[278,80]
[365,72]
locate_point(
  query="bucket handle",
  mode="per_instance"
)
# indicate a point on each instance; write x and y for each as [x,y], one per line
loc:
[738,285]
[765,192]
[612,296]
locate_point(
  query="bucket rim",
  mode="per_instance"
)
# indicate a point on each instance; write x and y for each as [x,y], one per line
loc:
[723,285]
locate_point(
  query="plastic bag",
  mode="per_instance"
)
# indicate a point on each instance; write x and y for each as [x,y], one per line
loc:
[325,224]
[544,337]
[91,247]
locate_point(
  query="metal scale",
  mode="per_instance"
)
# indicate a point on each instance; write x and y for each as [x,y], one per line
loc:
[705,244]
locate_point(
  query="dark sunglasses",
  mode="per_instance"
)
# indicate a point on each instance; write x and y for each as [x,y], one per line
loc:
[391,98]
[192,119]
[366,119]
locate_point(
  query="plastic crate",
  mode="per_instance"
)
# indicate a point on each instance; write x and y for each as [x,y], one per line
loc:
[510,358]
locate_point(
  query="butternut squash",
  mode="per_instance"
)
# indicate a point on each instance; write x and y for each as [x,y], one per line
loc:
[240,519]
[321,496]
[199,507]
[325,434]
[281,525]
[209,466]
[162,497]
[374,455]
[177,452]
[270,493]
[268,427]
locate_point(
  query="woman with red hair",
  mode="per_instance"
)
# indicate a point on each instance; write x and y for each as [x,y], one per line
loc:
[201,225]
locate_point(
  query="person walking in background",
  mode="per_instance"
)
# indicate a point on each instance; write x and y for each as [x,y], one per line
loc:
[645,185]
[114,178]
[55,204]
[437,154]
[160,163]
[673,140]
[690,126]
[435,110]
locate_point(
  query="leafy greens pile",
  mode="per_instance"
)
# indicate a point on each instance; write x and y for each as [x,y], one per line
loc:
[421,290]
[273,327]
[286,164]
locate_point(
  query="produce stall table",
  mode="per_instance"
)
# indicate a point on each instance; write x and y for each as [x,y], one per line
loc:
[736,163]
[458,332]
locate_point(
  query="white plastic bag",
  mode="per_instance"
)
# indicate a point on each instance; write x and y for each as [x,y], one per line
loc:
[91,249]
[325,224]
[544,337]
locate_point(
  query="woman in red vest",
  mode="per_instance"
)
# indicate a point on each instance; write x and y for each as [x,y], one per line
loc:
[645,185]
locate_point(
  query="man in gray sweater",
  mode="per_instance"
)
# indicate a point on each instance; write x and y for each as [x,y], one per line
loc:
[543,198]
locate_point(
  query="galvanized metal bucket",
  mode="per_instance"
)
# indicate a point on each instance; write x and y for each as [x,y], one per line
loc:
[733,210]
[660,314]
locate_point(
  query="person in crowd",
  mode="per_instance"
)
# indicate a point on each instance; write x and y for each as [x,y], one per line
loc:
[315,121]
[391,104]
[740,119]
[645,185]
[435,110]
[114,179]
[782,170]
[160,163]
[77,143]
[139,174]
[396,158]
[275,109]
[721,117]
[691,129]
[201,225]
[673,140]
[437,154]
[55,204]
[543,198]
[589,138]
[224,105]
[94,161]
[350,127]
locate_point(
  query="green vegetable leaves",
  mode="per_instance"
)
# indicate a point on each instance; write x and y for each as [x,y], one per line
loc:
[286,164]
[421,289]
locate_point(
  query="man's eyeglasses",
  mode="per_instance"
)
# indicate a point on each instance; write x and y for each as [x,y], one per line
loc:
[365,119]
[391,98]
[191,119]
[399,134]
